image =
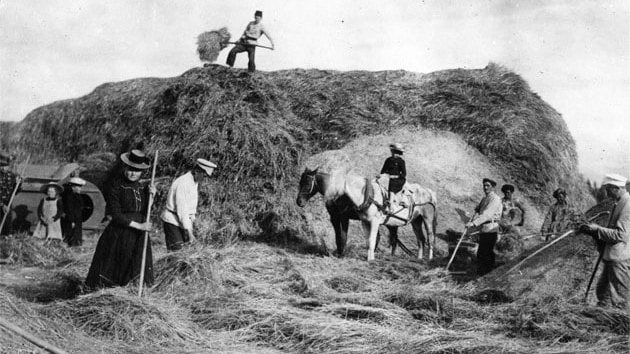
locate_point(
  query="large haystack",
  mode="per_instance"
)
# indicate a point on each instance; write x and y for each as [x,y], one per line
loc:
[261,129]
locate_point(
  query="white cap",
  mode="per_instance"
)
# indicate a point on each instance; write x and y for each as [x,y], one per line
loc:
[206,165]
[77,181]
[615,180]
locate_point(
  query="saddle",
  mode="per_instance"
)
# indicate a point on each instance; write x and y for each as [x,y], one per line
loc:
[400,200]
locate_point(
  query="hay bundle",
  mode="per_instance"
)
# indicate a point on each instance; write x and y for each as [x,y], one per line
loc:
[209,44]
[27,251]
[183,268]
[116,314]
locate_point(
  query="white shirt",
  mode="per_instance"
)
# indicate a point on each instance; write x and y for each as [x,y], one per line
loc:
[181,202]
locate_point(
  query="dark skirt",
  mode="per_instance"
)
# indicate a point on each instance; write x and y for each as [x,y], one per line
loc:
[118,258]
[72,235]
[396,184]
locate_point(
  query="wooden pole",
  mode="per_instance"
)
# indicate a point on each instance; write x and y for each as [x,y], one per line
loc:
[31,338]
[540,250]
[17,186]
[146,233]
[250,44]
[554,241]
[590,282]
[459,242]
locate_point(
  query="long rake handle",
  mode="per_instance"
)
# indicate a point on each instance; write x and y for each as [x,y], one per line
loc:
[146,233]
[459,242]
[554,241]
[456,248]
[31,338]
[17,186]
[590,282]
[249,44]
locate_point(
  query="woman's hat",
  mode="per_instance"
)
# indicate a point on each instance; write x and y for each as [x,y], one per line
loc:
[206,165]
[55,185]
[258,13]
[77,181]
[396,147]
[136,159]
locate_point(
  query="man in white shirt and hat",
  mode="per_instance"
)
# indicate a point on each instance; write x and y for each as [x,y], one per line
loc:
[487,216]
[613,288]
[181,205]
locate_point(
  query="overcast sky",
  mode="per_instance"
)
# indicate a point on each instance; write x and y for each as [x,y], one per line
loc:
[574,54]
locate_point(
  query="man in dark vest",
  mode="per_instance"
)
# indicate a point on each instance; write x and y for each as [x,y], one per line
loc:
[395,167]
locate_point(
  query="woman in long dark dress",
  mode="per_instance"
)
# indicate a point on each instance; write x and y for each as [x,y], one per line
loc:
[118,255]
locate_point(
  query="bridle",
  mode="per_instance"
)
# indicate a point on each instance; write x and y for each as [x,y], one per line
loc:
[313,183]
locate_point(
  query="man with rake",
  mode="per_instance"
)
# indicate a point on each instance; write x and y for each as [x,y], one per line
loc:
[613,288]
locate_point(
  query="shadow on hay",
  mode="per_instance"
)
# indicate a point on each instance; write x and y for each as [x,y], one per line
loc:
[60,286]
[274,234]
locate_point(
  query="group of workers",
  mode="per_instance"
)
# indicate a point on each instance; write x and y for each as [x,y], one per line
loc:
[494,214]
[118,256]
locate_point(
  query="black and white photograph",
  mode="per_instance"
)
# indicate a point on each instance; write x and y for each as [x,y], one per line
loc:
[351,176]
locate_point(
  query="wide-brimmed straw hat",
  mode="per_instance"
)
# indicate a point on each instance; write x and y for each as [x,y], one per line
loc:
[615,180]
[206,165]
[136,159]
[397,147]
[77,181]
[57,186]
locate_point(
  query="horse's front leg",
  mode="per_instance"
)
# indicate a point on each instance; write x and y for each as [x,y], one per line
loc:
[370,230]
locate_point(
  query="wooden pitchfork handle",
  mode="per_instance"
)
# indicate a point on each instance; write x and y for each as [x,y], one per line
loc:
[146,233]
[552,242]
[17,186]
[249,44]
[459,242]
[590,282]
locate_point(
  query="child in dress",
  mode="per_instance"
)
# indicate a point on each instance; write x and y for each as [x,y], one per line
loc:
[50,210]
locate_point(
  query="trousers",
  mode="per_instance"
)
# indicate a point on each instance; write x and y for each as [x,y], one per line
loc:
[251,54]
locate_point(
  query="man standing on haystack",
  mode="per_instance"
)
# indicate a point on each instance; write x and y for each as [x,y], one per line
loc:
[181,205]
[487,215]
[613,288]
[248,41]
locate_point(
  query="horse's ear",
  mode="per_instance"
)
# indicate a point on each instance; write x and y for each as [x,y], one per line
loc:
[316,169]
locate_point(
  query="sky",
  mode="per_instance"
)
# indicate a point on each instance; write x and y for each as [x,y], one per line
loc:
[574,53]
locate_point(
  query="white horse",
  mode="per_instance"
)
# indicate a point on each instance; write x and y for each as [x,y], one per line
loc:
[367,198]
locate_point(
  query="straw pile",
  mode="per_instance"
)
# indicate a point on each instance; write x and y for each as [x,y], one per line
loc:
[209,44]
[27,251]
[118,315]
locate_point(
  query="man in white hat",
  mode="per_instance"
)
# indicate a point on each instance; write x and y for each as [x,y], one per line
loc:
[613,288]
[181,205]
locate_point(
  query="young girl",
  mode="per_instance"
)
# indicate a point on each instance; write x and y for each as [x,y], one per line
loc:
[50,210]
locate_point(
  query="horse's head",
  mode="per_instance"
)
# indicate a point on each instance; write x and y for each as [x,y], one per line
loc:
[308,186]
